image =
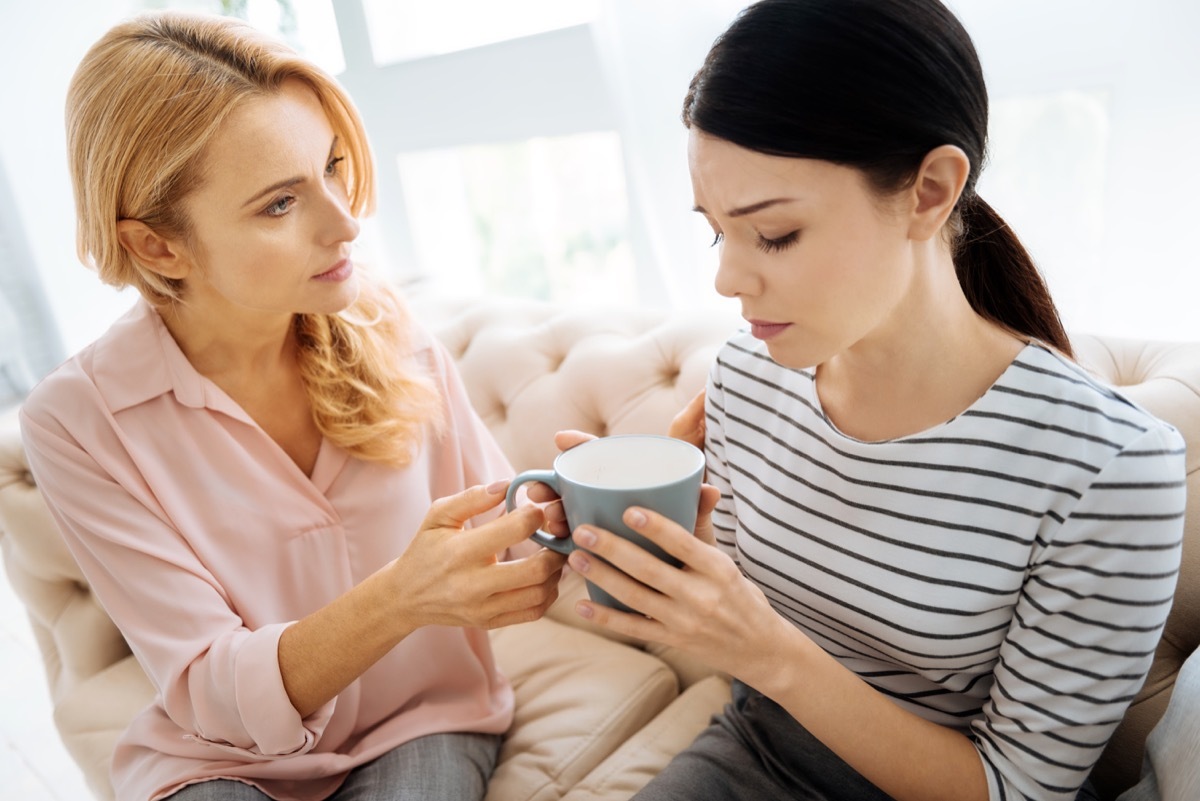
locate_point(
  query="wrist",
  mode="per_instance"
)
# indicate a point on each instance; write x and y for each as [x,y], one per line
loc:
[786,659]
[393,607]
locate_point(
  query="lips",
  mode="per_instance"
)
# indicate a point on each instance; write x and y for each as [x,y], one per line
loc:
[338,272]
[763,329]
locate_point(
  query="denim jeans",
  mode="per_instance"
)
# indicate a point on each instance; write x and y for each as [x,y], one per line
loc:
[438,767]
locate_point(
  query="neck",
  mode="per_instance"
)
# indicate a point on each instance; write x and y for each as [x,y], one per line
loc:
[232,347]
[930,358]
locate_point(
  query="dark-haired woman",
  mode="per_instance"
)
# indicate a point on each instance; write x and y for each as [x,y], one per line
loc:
[942,553]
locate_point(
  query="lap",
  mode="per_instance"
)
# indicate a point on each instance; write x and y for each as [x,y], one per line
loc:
[755,750]
[219,790]
[437,767]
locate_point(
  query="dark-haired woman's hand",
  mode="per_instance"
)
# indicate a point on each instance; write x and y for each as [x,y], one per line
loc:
[689,424]
[706,606]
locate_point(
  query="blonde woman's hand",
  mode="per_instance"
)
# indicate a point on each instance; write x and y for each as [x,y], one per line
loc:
[453,576]
[689,424]
[556,518]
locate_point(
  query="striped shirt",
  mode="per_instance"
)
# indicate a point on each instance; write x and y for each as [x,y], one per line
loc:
[1006,573]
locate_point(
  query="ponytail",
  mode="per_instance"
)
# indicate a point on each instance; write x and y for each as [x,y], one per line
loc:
[999,278]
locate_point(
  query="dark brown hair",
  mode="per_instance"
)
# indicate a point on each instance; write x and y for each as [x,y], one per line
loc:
[874,85]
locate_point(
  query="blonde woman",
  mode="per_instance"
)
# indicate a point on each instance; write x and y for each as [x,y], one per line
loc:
[265,469]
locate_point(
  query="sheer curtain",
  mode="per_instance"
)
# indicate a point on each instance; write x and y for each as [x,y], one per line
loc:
[649,52]
[1095,119]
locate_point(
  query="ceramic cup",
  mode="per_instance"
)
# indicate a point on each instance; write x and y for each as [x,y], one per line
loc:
[601,478]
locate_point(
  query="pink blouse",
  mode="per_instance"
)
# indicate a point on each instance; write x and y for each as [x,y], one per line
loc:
[203,540]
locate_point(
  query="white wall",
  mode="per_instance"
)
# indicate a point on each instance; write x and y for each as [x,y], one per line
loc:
[1123,260]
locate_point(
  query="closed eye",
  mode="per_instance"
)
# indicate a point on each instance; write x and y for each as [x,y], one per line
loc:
[776,245]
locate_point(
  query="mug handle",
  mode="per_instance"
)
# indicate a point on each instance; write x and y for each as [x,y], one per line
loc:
[563,545]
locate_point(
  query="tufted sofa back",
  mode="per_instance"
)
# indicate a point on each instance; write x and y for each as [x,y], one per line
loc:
[533,369]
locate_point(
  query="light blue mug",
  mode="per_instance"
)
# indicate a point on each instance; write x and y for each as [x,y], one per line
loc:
[601,478]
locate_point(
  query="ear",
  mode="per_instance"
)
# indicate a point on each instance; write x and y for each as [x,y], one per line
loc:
[940,182]
[155,252]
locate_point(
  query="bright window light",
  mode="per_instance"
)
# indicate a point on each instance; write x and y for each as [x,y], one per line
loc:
[544,218]
[408,30]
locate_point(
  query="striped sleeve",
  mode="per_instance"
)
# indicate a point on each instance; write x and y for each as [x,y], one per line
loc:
[1086,624]
[724,518]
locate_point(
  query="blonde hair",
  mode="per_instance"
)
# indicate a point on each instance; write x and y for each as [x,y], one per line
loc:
[142,106]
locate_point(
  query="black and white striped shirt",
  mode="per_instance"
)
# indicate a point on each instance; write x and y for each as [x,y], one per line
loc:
[1007,572]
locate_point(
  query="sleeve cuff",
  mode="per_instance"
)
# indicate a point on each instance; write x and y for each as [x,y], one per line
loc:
[272,722]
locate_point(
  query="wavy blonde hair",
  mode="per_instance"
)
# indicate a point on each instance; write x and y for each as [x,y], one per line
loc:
[142,106]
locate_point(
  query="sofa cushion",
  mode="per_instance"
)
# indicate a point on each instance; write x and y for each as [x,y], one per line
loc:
[642,756]
[578,696]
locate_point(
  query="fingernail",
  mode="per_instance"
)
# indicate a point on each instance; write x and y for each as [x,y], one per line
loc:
[497,487]
[584,610]
[585,537]
[579,562]
[635,517]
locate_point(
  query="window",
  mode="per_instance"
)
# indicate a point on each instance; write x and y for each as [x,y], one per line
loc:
[408,30]
[544,217]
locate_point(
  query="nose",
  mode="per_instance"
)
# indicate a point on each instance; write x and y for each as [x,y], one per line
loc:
[340,224]
[734,276]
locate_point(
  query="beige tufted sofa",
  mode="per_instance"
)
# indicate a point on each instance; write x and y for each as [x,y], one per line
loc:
[596,717]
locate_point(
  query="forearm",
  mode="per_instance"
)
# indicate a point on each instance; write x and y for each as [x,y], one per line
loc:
[908,757]
[447,576]
[323,653]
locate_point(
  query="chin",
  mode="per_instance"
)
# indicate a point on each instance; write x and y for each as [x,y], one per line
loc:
[794,358]
[338,298]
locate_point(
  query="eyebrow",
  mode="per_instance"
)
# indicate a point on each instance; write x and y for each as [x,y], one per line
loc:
[753,207]
[286,182]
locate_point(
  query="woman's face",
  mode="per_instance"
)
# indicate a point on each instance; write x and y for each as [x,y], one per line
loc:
[271,226]
[818,264]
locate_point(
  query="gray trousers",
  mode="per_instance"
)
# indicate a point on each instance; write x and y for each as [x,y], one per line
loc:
[755,750]
[438,767]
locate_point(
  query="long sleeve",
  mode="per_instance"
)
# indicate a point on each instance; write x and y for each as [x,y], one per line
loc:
[1086,625]
[203,541]
[1006,573]
[218,678]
